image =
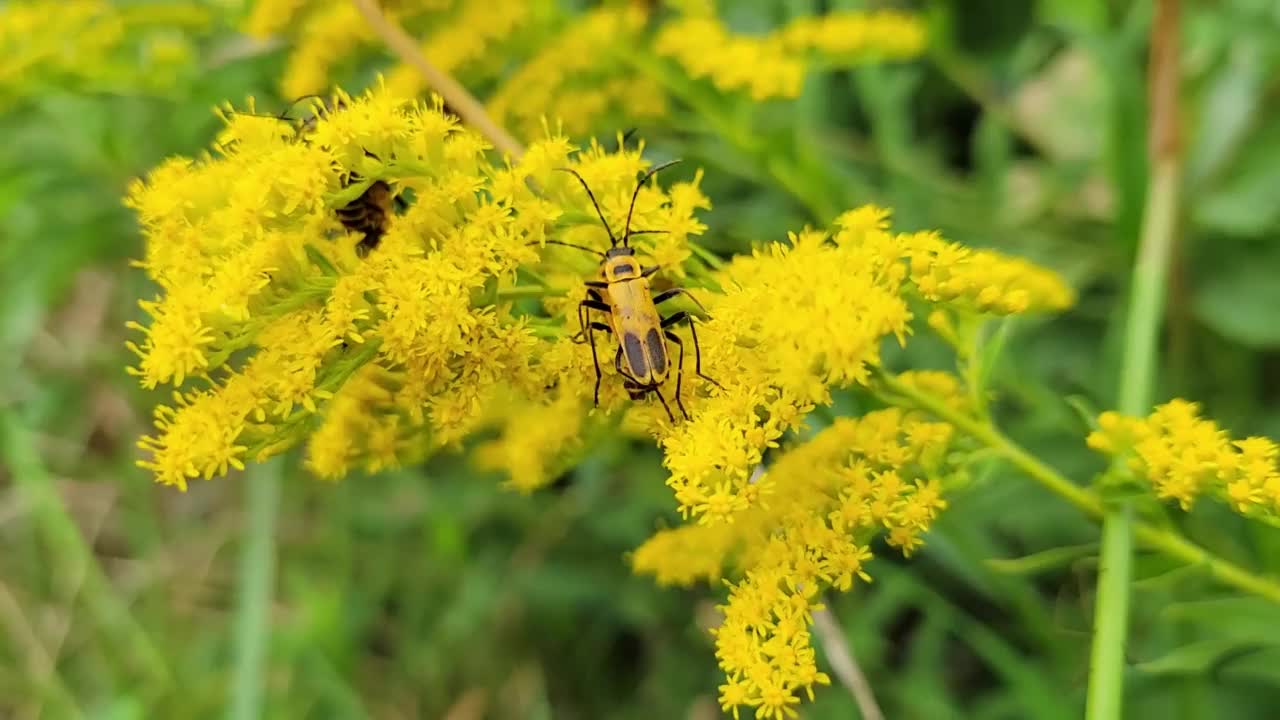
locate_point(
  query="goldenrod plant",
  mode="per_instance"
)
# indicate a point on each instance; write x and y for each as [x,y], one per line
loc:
[937,430]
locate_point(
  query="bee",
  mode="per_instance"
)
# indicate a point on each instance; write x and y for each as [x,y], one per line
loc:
[370,214]
[625,298]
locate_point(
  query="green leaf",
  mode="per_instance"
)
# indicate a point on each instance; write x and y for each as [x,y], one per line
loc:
[1240,300]
[1076,15]
[1250,617]
[1043,561]
[1244,204]
[1199,658]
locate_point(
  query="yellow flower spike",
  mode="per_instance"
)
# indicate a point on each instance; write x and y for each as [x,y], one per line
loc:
[463,38]
[569,78]
[95,45]
[981,281]
[330,33]
[1184,456]
[263,293]
[271,16]
[705,48]
[812,535]
[850,37]
[531,438]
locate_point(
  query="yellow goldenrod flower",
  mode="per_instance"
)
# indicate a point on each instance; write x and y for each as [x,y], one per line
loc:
[328,35]
[532,441]
[463,38]
[827,499]
[981,281]
[851,36]
[274,332]
[579,78]
[263,294]
[705,48]
[773,65]
[794,319]
[1185,456]
[95,44]
[269,17]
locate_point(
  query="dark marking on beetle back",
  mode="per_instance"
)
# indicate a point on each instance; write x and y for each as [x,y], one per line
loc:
[657,351]
[635,354]
[623,269]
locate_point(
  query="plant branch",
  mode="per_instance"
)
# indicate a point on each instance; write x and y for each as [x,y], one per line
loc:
[455,95]
[844,665]
[257,577]
[1152,536]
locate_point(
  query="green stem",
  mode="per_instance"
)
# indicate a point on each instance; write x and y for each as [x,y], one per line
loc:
[1105,699]
[1154,537]
[257,575]
[1146,309]
[707,257]
[728,127]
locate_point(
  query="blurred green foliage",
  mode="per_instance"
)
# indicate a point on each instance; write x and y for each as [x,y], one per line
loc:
[428,592]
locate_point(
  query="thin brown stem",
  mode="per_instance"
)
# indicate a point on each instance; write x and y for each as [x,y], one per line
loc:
[455,95]
[844,665]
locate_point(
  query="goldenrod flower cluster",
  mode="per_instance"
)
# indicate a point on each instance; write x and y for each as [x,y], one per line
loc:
[578,69]
[330,35]
[827,499]
[579,78]
[266,306]
[982,281]
[95,44]
[1185,456]
[774,65]
[795,319]
[273,331]
[467,37]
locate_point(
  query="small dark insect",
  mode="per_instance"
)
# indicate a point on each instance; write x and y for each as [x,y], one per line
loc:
[369,214]
[624,295]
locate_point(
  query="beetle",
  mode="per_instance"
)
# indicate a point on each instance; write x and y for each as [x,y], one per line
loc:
[623,294]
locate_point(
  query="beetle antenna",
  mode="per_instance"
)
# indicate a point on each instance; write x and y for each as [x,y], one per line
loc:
[283,115]
[626,233]
[613,240]
[561,242]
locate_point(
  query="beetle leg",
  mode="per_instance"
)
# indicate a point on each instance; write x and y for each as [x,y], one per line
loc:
[679,371]
[658,391]
[646,272]
[697,349]
[584,309]
[584,316]
[579,338]
[596,284]
[668,294]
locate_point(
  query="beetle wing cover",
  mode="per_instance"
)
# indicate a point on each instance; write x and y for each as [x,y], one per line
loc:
[636,360]
[657,352]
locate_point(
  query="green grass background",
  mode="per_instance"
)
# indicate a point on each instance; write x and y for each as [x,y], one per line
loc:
[430,593]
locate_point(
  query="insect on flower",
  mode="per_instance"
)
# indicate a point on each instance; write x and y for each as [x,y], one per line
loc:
[370,213]
[624,295]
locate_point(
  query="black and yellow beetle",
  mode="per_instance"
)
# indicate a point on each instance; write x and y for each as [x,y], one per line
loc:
[623,293]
